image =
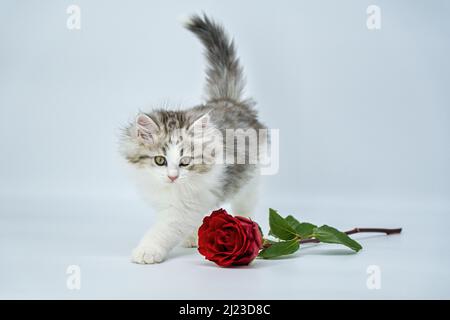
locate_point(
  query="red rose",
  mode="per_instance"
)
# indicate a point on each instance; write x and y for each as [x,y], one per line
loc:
[227,240]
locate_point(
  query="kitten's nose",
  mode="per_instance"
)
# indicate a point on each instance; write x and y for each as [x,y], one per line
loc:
[173,178]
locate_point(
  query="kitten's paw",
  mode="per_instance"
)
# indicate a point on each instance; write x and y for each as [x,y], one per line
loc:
[148,254]
[190,242]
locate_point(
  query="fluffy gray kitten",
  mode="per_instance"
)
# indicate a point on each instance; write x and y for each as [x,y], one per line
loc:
[182,184]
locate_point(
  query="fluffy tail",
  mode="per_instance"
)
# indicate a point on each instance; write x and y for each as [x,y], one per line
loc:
[224,74]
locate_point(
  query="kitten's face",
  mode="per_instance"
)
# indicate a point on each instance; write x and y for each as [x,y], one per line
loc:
[165,147]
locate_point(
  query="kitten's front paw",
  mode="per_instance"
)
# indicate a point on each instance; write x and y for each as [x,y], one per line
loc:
[190,242]
[148,254]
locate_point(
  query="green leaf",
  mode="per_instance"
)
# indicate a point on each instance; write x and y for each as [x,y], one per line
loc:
[279,227]
[292,221]
[329,234]
[278,249]
[304,229]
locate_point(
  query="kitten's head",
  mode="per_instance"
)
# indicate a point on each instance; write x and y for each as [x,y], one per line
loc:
[166,144]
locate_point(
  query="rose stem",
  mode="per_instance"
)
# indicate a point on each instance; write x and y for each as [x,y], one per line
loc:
[360,230]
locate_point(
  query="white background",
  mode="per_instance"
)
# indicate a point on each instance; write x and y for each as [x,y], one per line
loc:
[364,127]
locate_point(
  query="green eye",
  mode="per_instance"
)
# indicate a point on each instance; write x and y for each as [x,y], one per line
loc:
[160,160]
[185,161]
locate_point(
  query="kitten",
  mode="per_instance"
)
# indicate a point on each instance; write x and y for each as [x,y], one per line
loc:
[183,185]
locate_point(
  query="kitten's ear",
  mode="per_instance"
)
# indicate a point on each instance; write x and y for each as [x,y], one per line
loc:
[146,128]
[201,123]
